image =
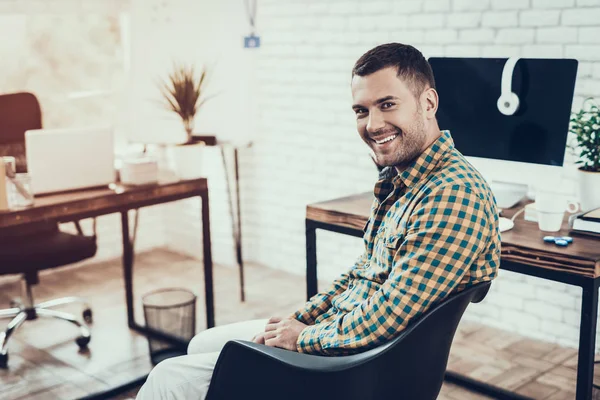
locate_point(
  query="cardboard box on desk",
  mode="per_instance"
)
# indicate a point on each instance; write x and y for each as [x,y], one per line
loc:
[139,171]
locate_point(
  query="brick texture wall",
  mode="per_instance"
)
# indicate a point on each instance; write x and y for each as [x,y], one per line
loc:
[308,149]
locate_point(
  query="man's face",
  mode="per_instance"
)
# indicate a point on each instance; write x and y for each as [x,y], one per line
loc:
[388,117]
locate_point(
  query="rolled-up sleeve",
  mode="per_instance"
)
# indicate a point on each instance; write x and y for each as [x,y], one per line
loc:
[321,302]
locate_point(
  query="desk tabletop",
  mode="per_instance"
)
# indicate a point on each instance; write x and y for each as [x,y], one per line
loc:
[524,243]
[69,206]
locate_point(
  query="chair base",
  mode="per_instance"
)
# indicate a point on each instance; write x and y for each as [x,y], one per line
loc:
[21,312]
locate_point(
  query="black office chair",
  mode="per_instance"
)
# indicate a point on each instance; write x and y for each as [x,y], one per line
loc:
[31,249]
[410,366]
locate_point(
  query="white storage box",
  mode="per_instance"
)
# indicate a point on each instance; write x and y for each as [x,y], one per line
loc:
[139,171]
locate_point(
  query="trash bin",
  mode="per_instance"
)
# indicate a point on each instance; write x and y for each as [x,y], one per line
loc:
[170,311]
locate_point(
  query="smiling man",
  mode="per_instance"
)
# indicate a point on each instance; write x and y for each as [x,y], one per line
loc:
[433,231]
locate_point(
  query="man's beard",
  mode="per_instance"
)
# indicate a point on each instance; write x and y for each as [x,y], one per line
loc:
[410,146]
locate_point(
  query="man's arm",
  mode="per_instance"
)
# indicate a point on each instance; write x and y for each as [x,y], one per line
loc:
[447,232]
[321,302]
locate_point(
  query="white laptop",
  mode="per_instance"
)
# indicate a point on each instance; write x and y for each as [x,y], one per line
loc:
[69,159]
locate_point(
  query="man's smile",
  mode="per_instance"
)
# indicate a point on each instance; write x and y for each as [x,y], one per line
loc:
[386,139]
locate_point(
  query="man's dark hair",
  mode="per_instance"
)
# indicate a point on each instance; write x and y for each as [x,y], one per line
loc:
[412,67]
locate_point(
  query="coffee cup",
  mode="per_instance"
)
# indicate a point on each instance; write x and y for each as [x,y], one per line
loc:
[551,207]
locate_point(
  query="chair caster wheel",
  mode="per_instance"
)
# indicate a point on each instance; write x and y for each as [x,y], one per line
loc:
[87,315]
[4,360]
[82,342]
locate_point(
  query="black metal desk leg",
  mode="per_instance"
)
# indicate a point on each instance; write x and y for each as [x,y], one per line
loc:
[128,268]
[311,260]
[587,341]
[207,255]
[238,236]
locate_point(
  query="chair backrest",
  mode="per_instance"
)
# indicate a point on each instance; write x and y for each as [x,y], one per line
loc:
[409,367]
[19,112]
[412,365]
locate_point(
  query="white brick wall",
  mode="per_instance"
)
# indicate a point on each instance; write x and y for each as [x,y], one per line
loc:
[305,120]
[306,147]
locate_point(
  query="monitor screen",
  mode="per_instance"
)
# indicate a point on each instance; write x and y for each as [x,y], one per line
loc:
[469,89]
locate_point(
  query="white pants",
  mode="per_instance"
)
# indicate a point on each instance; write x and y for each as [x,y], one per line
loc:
[188,377]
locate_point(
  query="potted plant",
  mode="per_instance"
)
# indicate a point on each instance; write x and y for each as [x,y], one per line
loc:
[585,126]
[184,94]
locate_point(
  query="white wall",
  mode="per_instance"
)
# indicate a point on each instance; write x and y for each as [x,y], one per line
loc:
[307,148]
[304,70]
[207,34]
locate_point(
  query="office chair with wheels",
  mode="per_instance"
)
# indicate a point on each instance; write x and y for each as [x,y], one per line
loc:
[32,248]
[410,366]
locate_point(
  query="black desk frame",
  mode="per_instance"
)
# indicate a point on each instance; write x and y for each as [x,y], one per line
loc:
[128,262]
[587,331]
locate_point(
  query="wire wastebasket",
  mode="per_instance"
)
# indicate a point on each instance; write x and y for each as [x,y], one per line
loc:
[172,312]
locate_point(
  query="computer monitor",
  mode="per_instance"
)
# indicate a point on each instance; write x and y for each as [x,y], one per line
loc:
[523,147]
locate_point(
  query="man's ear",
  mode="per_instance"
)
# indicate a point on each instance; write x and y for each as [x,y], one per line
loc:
[430,101]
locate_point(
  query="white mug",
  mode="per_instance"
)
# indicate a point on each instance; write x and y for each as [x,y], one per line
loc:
[551,207]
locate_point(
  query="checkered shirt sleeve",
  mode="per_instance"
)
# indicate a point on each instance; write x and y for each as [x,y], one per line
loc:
[445,234]
[321,302]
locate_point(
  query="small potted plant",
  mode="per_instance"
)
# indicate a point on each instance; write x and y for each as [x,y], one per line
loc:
[585,126]
[184,94]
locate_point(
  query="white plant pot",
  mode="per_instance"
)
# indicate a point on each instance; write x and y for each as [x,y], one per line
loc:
[187,160]
[589,190]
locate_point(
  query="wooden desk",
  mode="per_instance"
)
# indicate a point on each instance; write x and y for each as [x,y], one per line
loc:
[523,251]
[77,205]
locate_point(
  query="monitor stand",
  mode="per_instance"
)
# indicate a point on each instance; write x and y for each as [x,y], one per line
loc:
[508,194]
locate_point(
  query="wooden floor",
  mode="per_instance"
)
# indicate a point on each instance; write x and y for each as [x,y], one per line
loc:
[45,362]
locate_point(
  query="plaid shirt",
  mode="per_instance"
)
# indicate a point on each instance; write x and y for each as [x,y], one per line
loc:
[433,230]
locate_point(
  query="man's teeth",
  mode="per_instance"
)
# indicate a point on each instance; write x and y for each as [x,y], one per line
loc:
[387,139]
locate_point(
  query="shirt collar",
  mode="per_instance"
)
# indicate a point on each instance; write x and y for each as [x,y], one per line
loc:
[418,169]
[426,162]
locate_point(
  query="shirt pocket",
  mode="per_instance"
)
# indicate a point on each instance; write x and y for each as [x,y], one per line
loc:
[393,240]
[385,252]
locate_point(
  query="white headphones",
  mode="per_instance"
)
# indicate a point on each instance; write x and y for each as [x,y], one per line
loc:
[508,102]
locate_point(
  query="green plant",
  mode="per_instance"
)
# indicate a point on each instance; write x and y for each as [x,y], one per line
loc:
[585,125]
[183,93]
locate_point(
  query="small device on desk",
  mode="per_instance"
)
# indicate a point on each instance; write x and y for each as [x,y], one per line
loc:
[505,224]
[562,241]
[68,159]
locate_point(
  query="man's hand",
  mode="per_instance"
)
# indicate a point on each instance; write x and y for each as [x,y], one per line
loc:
[282,333]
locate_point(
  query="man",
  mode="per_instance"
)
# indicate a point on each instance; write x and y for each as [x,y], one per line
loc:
[433,230]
